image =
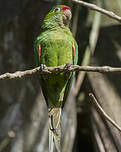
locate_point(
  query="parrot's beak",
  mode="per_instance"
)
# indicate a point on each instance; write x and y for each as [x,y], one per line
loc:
[66,16]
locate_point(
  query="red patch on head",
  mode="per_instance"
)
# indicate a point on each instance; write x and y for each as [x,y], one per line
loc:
[39,50]
[73,49]
[64,7]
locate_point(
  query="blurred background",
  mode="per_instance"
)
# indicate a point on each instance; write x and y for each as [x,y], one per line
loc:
[23,112]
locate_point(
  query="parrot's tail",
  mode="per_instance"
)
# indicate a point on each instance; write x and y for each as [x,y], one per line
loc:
[55,129]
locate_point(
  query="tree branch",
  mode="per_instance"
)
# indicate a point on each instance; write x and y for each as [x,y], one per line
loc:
[96,8]
[59,69]
[102,112]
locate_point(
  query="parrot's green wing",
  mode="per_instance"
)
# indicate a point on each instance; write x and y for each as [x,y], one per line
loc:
[37,59]
[69,84]
[76,53]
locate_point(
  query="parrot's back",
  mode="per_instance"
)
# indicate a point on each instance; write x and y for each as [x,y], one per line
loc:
[56,49]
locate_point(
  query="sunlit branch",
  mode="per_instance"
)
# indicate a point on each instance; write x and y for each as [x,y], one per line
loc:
[59,69]
[101,10]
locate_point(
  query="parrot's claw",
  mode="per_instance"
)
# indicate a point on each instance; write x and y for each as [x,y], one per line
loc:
[67,66]
[42,66]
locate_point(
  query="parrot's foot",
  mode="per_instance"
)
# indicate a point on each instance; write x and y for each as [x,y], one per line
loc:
[67,66]
[42,66]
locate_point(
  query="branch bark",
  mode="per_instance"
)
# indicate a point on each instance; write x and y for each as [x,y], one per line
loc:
[96,8]
[59,69]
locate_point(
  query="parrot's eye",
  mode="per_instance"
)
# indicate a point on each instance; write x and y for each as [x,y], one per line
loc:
[57,9]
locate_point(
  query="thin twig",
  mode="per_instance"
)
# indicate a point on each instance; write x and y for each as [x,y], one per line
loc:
[96,8]
[59,69]
[102,112]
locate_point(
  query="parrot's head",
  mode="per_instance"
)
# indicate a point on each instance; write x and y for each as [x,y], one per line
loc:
[66,14]
[61,14]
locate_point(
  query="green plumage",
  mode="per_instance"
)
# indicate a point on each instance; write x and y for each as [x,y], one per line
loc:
[53,47]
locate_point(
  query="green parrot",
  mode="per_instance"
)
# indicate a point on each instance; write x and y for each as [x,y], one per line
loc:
[56,46]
